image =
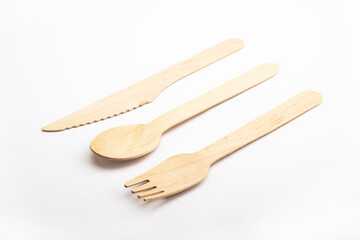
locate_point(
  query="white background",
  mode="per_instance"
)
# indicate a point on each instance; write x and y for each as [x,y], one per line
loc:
[299,182]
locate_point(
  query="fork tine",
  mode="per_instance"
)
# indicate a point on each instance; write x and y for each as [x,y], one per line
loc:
[157,196]
[134,181]
[150,192]
[143,187]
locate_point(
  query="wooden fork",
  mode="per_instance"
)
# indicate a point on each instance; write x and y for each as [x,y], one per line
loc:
[183,171]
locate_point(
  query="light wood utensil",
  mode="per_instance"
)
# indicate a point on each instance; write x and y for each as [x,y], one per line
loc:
[145,91]
[132,141]
[186,170]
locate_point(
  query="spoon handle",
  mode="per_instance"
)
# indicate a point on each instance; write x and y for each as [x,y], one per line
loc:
[216,96]
[261,126]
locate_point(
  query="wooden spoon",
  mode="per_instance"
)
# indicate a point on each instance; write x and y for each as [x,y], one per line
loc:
[132,141]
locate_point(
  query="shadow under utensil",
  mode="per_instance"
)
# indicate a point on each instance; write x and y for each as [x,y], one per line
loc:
[102,162]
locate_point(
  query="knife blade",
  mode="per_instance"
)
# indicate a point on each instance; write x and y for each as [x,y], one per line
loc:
[144,91]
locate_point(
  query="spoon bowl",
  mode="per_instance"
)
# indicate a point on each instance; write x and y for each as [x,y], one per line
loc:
[126,142]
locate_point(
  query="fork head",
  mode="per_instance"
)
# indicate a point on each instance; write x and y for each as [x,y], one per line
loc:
[173,175]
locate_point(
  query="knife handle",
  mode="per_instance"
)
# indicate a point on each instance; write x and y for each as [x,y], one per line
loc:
[279,116]
[216,96]
[182,69]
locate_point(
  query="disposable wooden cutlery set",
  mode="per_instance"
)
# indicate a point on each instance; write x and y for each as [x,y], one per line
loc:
[182,171]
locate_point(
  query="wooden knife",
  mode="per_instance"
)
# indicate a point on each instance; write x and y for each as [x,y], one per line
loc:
[144,91]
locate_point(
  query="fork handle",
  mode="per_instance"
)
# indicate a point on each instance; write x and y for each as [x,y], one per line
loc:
[216,96]
[261,126]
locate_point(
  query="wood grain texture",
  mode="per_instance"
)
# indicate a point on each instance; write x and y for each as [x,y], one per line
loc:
[186,170]
[144,91]
[132,141]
